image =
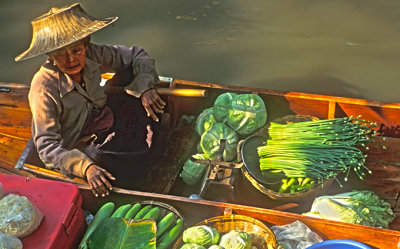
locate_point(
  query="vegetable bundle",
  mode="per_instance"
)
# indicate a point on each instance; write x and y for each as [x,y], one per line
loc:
[136,225]
[357,207]
[317,149]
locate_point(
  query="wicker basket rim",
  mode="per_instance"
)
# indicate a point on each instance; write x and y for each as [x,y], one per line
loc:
[262,228]
[270,192]
[165,206]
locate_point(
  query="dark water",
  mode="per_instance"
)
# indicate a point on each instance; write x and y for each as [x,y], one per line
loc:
[347,48]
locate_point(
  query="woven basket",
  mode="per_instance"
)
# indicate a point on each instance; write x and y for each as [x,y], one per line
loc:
[299,195]
[263,237]
[164,208]
[313,191]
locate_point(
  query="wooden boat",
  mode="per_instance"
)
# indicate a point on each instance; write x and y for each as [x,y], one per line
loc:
[18,156]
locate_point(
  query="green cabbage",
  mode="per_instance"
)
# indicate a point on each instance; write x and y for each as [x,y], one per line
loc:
[210,142]
[236,239]
[205,120]
[247,113]
[199,149]
[357,207]
[222,105]
[192,172]
[192,246]
[201,235]
[215,247]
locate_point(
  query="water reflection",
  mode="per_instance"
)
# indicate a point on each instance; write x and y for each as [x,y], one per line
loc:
[343,47]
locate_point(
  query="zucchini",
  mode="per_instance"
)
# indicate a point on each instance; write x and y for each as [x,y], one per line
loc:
[165,223]
[133,211]
[121,211]
[142,212]
[104,212]
[154,213]
[170,236]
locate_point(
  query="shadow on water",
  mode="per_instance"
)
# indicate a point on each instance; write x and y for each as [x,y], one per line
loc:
[344,48]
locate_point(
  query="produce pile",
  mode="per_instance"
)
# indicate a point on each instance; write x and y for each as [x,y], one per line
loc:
[232,116]
[317,150]
[203,236]
[357,207]
[136,225]
[19,217]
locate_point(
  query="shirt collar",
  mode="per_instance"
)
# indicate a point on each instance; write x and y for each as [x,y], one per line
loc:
[66,83]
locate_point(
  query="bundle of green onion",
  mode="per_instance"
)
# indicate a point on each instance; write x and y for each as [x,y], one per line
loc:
[317,149]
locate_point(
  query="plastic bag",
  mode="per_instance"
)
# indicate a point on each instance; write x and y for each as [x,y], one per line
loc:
[18,216]
[295,236]
[8,241]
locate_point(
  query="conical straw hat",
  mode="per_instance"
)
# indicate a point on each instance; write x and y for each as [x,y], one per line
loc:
[61,27]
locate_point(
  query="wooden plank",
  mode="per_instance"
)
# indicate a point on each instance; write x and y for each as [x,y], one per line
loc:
[288,94]
[312,107]
[15,117]
[23,133]
[11,149]
[331,109]
[388,119]
[14,95]
[384,162]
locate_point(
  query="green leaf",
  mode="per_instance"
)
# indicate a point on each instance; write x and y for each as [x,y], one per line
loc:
[119,233]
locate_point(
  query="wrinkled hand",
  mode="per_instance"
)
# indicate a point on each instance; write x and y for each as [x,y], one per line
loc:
[97,178]
[152,103]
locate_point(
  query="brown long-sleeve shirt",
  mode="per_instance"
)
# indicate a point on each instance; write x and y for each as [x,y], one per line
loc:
[60,106]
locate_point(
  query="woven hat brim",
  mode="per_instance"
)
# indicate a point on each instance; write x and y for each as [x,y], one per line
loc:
[36,50]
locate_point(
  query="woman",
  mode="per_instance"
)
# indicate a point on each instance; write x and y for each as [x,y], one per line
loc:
[76,127]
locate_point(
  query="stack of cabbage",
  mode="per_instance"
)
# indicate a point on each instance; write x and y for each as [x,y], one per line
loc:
[201,237]
[231,117]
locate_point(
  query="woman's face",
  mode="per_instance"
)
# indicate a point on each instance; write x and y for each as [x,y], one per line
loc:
[70,59]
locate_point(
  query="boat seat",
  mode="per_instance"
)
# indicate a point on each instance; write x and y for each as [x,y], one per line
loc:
[30,156]
[30,164]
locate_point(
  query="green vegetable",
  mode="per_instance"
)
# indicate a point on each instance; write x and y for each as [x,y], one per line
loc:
[119,233]
[193,172]
[133,211]
[104,212]
[205,121]
[317,149]
[293,185]
[121,211]
[222,105]
[192,246]
[142,212]
[357,207]
[165,223]
[203,235]
[211,139]
[199,149]
[286,184]
[236,239]
[247,113]
[170,236]
[215,247]
[154,214]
